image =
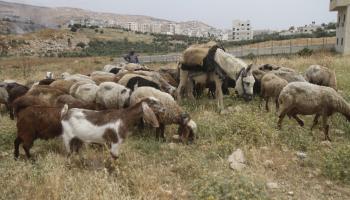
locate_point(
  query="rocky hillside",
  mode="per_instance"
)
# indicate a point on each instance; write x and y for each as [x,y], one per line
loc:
[55,17]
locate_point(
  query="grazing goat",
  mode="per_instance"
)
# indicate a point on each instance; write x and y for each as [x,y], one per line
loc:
[308,99]
[35,120]
[105,126]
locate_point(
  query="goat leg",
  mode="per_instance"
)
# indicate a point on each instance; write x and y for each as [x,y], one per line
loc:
[315,122]
[300,122]
[267,104]
[17,142]
[326,127]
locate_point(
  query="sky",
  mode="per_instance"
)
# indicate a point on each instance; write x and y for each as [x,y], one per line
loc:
[264,14]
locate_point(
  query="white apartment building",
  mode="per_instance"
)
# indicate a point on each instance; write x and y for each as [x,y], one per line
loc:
[156,28]
[144,28]
[241,30]
[343,25]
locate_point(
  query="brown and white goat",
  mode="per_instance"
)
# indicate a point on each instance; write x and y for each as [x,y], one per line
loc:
[80,125]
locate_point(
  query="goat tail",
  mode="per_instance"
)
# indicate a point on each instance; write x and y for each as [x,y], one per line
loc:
[64,110]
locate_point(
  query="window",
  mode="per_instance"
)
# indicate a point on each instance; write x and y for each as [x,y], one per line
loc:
[242,24]
[337,41]
[248,29]
[237,29]
[342,41]
[344,18]
[248,24]
[234,29]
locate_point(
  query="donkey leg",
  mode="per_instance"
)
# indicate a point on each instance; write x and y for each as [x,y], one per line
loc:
[219,95]
[182,83]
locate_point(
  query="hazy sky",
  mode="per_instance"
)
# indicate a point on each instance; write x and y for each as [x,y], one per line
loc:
[273,14]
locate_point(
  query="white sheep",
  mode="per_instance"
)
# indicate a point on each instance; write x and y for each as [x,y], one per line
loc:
[271,87]
[308,99]
[173,112]
[112,95]
[76,77]
[84,91]
[319,75]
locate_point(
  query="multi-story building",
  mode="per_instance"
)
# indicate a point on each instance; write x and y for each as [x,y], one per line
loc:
[343,25]
[241,30]
[144,28]
[156,28]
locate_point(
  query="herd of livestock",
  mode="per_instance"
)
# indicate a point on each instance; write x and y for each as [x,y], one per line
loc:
[102,107]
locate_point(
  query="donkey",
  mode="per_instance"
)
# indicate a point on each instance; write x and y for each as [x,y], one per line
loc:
[223,64]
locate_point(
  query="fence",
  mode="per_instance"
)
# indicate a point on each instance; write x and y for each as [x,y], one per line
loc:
[260,49]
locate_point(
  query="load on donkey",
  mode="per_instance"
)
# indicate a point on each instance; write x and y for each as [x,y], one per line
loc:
[201,63]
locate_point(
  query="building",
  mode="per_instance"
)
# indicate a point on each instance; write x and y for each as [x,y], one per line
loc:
[309,29]
[156,28]
[241,30]
[343,26]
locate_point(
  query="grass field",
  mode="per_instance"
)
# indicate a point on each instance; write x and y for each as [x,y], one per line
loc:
[148,169]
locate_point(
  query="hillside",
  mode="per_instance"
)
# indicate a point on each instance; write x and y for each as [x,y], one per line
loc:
[53,17]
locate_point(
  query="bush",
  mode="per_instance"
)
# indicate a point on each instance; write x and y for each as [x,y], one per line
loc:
[337,164]
[81,45]
[305,52]
[73,29]
[235,187]
[251,56]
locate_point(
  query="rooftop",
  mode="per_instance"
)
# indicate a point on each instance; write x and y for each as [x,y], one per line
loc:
[336,4]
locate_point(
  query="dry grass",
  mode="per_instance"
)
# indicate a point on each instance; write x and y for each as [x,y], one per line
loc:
[148,169]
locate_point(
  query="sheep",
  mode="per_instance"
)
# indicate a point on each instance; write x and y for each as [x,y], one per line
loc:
[113,68]
[77,77]
[111,95]
[73,102]
[173,113]
[80,125]
[45,93]
[35,120]
[46,81]
[63,85]
[308,99]
[170,75]
[131,80]
[151,76]
[288,74]
[100,79]
[323,76]
[271,87]
[101,73]
[84,91]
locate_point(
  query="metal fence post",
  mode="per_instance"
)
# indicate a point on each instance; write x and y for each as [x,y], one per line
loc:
[271,47]
[290,46]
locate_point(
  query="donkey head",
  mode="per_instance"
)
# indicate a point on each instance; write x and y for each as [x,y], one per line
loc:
[245,83]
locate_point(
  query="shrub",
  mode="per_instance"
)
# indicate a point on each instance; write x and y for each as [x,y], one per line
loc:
[73,29]
[305,52]
[81,45]
[337,164]
[251,56]
[234,187]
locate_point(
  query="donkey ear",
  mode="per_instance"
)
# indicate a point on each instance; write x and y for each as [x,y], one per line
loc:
[149,116]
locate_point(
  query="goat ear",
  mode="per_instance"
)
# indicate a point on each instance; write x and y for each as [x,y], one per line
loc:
[258,74]
[149,116]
